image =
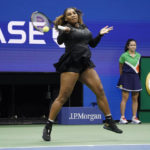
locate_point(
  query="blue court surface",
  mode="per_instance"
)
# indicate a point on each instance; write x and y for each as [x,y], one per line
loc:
[89,147]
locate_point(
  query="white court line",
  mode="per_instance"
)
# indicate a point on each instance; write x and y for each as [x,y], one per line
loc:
[104,145]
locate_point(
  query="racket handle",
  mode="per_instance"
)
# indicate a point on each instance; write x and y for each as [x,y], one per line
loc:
[61,27]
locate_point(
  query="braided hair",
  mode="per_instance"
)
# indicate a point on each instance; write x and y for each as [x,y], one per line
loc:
[60,20]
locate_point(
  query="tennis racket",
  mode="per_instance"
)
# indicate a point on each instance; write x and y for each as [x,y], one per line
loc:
[40,20]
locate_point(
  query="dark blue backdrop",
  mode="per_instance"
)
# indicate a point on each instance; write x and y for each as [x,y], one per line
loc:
[130,20]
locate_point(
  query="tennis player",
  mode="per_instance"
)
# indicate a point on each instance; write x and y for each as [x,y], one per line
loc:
[75,64]
[129,79]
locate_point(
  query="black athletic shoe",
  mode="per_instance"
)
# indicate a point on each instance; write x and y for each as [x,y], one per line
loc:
[111,125]
[47,132]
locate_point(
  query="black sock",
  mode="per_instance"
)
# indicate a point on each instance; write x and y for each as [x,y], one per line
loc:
[108,117]
[49,124]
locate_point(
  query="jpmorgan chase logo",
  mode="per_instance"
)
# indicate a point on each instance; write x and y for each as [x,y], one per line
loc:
[83,116]
[148,83]
[18,33]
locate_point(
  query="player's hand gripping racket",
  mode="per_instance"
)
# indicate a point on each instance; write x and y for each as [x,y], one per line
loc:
[42,23]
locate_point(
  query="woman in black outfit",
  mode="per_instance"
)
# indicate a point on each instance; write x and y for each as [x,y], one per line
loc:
[75,65]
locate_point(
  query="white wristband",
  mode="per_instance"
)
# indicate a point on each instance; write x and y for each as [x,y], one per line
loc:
[61,27]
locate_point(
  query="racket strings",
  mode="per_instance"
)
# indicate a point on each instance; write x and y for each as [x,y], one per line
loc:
[39,21]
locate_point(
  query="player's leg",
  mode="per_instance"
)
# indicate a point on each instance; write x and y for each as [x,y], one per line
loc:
[92,80]
[67,83]
[125,96]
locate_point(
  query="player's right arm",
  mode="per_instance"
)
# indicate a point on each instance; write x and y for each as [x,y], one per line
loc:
[62,35]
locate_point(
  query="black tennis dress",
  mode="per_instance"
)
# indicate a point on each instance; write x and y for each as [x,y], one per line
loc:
[77,56]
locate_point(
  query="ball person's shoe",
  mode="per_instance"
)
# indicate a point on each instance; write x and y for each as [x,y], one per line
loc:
[111,125]
[123,120]
[47,132]
[135,120]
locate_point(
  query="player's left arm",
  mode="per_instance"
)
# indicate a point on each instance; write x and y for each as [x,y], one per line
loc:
[94,41]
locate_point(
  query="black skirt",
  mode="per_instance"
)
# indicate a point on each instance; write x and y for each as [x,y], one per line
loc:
[69,62]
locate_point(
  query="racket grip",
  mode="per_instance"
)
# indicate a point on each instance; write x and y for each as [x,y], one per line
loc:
[61,27]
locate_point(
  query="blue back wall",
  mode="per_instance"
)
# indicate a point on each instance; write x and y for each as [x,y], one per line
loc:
[130,20]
